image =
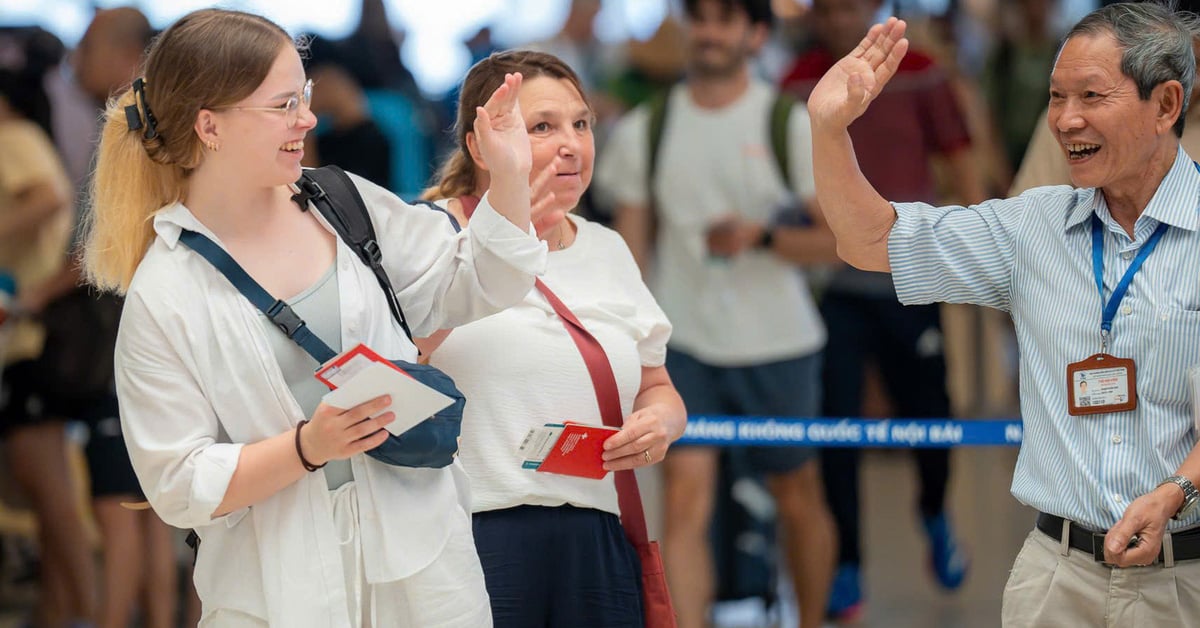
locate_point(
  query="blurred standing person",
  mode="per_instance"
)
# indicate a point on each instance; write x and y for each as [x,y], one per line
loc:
[1015,76]
[139,567]
[576,44]
[219,407]
[553,549]
[35,226]
[915,120]
[747,337]
[347,135]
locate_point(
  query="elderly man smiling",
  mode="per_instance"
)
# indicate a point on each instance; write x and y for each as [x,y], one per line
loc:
[1103,284]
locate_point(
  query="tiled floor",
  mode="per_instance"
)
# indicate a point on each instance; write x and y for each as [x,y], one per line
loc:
[992,524]
[900,589]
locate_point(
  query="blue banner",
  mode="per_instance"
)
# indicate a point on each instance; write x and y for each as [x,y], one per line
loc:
[827,432]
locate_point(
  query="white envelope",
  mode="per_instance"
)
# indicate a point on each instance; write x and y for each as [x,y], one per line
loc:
[412,401]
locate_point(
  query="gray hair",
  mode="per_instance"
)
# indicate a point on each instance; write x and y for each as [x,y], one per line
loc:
[1156,44]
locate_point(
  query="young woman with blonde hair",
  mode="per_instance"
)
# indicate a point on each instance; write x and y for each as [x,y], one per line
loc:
[220,409]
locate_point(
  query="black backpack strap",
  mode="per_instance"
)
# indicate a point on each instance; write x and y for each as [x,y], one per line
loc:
[336,197]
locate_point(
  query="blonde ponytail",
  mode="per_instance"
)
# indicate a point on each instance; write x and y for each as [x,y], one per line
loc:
[127,188]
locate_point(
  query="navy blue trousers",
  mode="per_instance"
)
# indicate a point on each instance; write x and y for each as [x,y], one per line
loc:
[561,567]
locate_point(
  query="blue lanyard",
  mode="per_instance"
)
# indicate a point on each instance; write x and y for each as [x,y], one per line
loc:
[1110,310]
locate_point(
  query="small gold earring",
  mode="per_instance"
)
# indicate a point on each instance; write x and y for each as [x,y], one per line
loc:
[213,146]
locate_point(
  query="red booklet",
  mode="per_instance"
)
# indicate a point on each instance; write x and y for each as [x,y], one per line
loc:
[577,450]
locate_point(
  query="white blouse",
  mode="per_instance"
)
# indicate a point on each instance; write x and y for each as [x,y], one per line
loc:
[520,369]
[197,380]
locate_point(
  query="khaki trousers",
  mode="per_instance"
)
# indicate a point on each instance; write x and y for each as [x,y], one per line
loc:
[1050,588]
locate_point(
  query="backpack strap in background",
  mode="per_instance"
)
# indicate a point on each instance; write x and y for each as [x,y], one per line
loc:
[657,104]
[658,122]
[780,118]
[781,114]
[336,197]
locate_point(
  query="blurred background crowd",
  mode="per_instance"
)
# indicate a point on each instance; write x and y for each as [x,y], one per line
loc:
[384,74]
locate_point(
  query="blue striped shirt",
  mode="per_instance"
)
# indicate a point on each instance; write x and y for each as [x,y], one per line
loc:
[1031,256]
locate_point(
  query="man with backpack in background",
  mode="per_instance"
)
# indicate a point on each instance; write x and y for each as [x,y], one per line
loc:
[916,119]
[709,205]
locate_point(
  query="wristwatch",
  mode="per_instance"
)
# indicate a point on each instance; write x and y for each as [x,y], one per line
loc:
[1191,496]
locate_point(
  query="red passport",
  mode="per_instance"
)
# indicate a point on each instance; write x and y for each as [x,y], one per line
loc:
[578,451]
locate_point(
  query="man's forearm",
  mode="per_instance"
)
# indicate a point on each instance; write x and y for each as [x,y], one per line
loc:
[859,217]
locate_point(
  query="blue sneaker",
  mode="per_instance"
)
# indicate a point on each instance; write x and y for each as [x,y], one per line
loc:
[948,560]
[845,596]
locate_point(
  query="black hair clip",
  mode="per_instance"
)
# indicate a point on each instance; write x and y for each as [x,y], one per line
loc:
[132,117]
[139,90]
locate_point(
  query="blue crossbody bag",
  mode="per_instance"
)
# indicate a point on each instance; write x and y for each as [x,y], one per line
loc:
[433,442]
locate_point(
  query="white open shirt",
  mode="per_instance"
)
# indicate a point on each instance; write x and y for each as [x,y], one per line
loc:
[197,380]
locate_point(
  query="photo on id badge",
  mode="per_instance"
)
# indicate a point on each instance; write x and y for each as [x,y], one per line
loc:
[1101,384]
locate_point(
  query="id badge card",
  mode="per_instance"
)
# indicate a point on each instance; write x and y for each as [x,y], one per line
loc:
[1100,384]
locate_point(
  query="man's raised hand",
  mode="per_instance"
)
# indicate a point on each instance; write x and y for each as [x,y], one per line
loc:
[842,95]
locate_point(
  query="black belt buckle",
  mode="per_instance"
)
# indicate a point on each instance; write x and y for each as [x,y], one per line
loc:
[1098,547]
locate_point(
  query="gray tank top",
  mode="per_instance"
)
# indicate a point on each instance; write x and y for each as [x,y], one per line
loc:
[320,308]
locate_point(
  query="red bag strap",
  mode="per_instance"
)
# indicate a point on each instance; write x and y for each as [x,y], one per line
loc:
[469,203]
[628,496]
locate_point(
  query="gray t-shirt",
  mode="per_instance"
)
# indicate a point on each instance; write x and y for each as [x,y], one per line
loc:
[320,309]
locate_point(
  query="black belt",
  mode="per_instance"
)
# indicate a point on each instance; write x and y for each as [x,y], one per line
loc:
[1185,545]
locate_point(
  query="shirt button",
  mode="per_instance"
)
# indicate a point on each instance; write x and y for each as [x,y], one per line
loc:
[1127,310]
[1116,439]
[1127,255]
[1118,498]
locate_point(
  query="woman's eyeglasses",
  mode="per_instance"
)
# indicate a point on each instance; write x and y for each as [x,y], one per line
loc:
[290,109]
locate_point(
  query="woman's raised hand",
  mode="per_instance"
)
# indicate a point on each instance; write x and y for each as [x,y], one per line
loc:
[842,95]
[500,129]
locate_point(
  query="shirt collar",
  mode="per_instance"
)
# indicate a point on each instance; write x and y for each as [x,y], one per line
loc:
[170,221]
[1175,202]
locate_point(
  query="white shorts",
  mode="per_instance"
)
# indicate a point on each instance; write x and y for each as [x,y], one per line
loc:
[449,593]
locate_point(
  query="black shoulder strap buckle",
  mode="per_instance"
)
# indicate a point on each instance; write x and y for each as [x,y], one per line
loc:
[370,248]
[285,318]
[309,190]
